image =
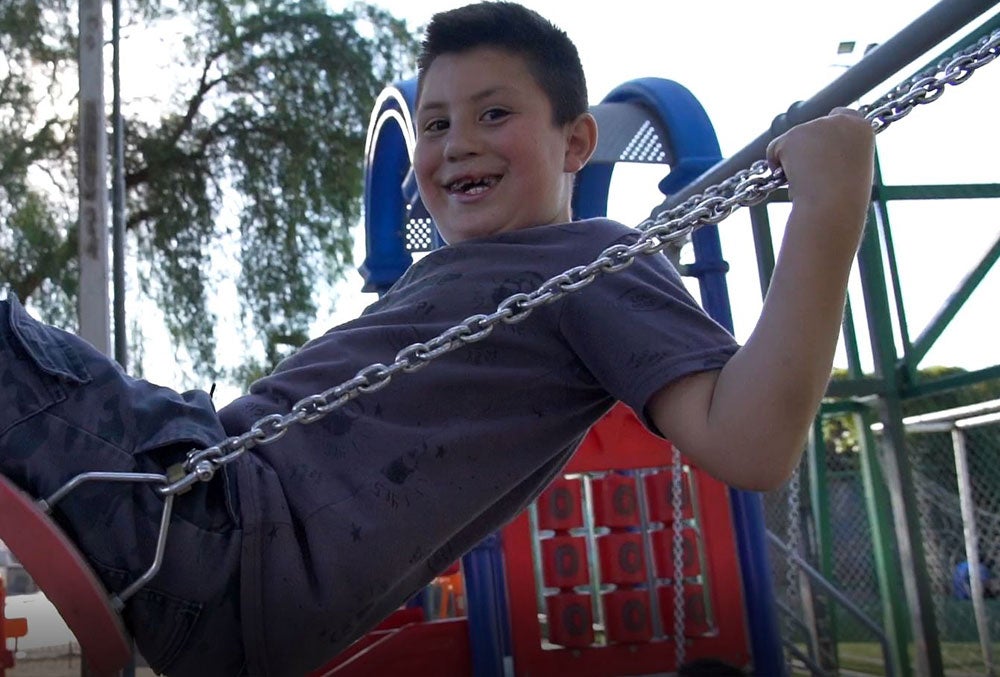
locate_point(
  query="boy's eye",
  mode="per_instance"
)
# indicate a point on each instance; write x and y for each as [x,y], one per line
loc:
[495,114]
[438,125]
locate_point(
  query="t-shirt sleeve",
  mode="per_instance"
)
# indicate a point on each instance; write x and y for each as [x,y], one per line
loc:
[639,329]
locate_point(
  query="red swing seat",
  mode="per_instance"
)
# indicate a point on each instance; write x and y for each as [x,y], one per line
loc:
[67,581]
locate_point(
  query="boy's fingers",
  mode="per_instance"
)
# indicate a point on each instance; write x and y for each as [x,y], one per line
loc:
[843,110]
[771,154]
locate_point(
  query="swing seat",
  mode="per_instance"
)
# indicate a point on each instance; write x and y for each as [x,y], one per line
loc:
[67,581]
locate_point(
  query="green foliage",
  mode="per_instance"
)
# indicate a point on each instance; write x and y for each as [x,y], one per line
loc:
[35,44]
[842,439]
[255,155]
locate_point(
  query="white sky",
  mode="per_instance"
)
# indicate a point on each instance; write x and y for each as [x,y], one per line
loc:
[746,63]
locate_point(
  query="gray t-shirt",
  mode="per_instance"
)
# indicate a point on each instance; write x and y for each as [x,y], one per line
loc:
[346,517]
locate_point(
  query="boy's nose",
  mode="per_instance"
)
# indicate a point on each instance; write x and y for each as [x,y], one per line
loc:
[461,143]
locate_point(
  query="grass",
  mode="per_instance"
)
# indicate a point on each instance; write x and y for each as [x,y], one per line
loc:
[960,659]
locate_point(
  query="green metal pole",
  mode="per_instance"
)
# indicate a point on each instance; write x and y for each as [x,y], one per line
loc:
[760,226]
[896,466]
[819,493]
[887,569]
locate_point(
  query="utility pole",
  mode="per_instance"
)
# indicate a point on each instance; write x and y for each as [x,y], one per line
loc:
[94,306]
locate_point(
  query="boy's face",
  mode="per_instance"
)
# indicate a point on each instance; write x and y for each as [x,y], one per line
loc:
[488,157]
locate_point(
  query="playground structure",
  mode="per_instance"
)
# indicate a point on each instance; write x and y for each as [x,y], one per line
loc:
[586,580]
[10,628]
[657,121]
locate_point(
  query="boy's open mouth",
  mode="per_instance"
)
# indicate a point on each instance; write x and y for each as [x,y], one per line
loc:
[473,186]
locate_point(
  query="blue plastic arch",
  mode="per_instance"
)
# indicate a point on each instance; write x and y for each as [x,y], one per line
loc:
[388,156]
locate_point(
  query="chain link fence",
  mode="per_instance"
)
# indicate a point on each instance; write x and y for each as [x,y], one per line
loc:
[822,634]
[955,536]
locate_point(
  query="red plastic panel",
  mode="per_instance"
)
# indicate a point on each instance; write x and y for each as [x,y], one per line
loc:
[622,558]
[697,621]
[619,441]
[438,648]
[559,507]
[564,561]
[615,501]
[571,621]
[663,552]
[628,616]
[617,445]
[659,495]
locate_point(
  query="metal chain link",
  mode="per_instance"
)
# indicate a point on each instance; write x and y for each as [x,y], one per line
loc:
[792,540]
[956,68]
[676,496]
[745,188]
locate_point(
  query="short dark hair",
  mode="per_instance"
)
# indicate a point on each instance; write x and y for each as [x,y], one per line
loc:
[551,56]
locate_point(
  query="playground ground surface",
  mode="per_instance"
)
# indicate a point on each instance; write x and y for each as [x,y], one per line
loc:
[856,659]
[961,659]
[67,666]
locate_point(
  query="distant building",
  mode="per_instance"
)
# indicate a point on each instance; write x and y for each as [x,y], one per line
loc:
[16,579]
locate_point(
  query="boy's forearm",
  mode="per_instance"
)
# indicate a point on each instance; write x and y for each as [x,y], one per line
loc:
[747,424]
[766,397]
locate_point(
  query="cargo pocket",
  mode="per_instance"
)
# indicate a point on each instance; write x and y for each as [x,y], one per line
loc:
[160,623]
[38,365]
[162,627]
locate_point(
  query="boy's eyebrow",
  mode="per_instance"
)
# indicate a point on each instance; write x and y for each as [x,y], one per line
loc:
[478,96]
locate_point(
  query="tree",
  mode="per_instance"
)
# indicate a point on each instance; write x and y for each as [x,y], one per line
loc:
[258,148]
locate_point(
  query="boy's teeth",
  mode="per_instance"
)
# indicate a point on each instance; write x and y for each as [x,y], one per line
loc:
[474,187]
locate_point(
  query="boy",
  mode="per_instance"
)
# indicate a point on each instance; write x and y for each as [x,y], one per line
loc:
[299,547]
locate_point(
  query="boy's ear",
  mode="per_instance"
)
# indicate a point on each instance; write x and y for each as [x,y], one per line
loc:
[581,140]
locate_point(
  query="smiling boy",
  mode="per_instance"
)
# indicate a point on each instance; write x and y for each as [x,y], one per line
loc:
[497,153]
[298,547]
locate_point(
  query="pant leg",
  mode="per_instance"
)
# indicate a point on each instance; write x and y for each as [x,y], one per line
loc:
[65,409]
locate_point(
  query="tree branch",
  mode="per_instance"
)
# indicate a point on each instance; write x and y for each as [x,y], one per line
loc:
[23,154]
[194,103]
[53,259]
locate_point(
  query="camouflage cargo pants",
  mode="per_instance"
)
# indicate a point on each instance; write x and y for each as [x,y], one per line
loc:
[66,409]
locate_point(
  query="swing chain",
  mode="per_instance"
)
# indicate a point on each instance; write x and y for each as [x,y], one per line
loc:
[925,87]
[416,356]
[746,188]
[752,185]
[676,498]
[792,539]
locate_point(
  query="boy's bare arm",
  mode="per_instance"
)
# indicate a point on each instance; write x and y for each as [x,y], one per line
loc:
[747,423]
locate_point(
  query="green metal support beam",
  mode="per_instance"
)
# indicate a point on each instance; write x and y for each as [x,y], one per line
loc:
[952,381]
[947,313]
[896,467]
[940,192]
[856,387]
[895,615]
[818,490]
